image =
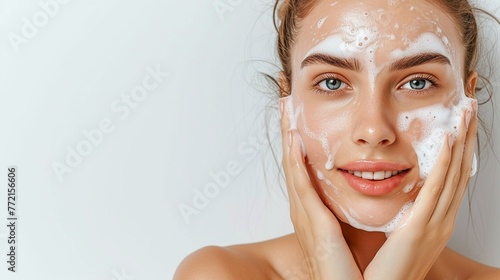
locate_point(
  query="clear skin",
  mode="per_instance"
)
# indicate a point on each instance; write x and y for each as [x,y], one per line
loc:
[359,120]
[325,245]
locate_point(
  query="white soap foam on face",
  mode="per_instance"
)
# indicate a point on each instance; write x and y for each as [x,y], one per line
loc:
[293,114]
[387,228]
[408,188]
[321,22]
[426,42]
[436,122]
[429,42]
[356,39]
[329,183]
[352,216]
[445,40]
[328,149]
[320,175]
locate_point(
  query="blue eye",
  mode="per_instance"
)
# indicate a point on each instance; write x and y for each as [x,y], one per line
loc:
[418,84]
[331,84]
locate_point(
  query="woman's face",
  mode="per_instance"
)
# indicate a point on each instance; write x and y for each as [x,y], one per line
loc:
[376,86]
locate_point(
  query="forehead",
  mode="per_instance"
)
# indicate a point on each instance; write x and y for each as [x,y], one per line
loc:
[393,24]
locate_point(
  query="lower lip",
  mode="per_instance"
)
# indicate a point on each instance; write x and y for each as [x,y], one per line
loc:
[372,187]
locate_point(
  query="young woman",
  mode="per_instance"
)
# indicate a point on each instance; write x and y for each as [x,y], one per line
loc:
[379,122]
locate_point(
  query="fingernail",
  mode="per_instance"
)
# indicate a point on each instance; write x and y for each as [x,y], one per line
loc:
[450,140]
[282,106]
[303,150]
[474,107]
[473,170]
[468,115]
[293,135]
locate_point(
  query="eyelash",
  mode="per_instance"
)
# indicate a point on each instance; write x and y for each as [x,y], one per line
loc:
[331,76]
[325,77]
[425,77]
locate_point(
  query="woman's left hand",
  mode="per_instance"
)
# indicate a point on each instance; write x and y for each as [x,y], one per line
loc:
[413,247]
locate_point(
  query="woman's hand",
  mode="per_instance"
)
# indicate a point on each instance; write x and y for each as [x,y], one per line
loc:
[413,247]
[317,229]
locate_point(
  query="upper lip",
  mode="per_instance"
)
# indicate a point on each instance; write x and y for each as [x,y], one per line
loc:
[374,166]
[372,177]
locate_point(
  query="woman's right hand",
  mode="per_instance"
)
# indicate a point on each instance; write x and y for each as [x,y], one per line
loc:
[318,231]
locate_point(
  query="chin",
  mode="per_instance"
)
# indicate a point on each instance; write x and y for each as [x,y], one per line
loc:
[381,219]
[368,213]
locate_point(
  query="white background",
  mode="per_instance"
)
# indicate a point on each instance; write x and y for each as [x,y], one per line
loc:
[116,214]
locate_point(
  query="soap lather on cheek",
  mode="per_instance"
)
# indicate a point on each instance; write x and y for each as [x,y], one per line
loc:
[436,122]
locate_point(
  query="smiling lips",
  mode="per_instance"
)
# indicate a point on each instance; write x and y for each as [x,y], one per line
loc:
[377,175]
[374,178]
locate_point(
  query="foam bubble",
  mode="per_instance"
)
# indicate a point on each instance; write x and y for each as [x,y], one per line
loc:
[436,122]
[427,42]
[329,163]
[408,188]
[321,22]
[320,175]
[473,170]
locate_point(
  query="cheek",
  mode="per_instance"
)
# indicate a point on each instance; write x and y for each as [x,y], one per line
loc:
[323,131]
[428,127]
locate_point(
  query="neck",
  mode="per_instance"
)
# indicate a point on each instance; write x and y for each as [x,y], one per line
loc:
[364,245]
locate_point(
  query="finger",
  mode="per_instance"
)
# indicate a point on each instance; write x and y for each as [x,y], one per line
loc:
[466,164]
[302,187]
[285,126]
[426,201]
[285,142]
[285,137]
[452,180]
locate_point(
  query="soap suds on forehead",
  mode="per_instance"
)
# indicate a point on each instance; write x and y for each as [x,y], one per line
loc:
[359,37]
[427,42]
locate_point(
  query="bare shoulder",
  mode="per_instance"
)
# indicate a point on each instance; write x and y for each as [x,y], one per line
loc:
[212,263]
[263,260]
[451,263]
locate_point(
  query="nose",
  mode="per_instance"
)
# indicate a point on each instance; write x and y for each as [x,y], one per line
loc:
[374,124]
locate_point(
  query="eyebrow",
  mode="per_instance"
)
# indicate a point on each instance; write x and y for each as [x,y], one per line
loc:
[419,59]
[319,58]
